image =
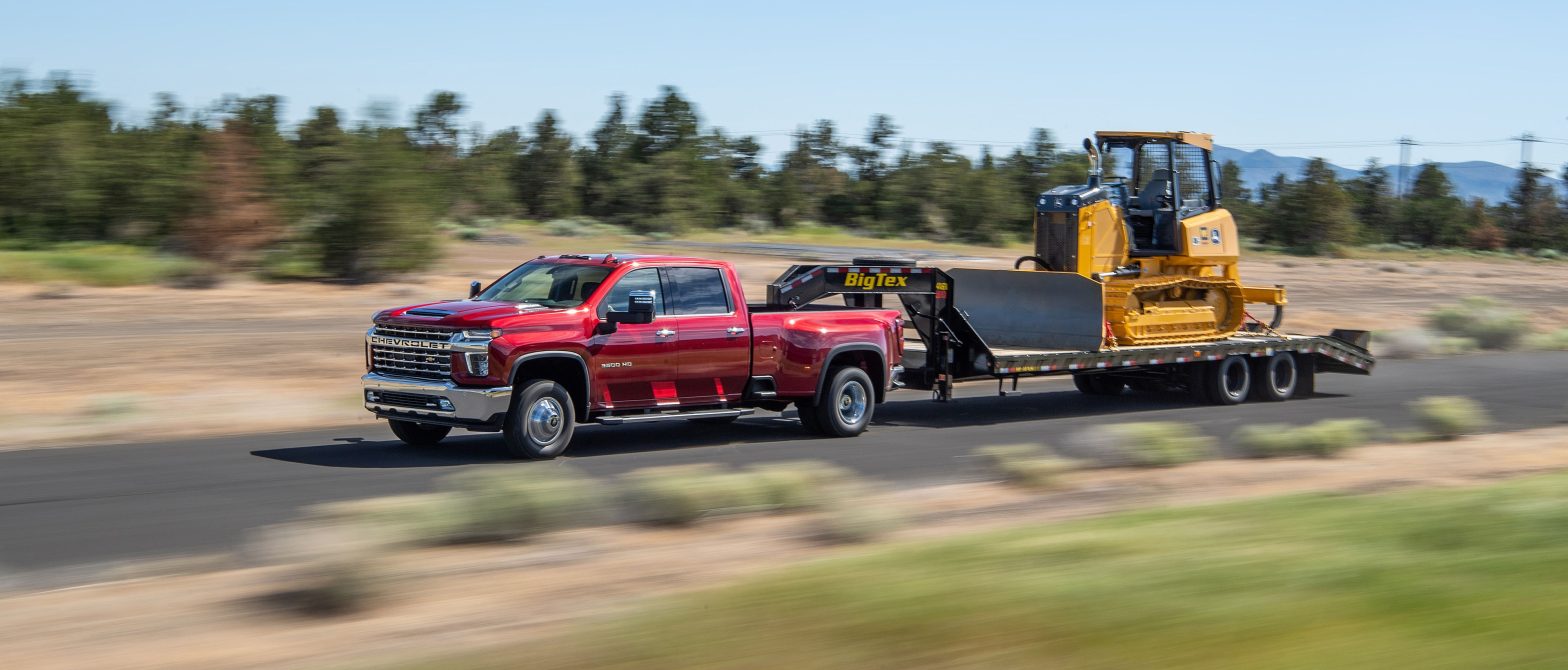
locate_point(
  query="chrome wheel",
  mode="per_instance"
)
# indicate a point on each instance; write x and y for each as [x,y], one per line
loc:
[852,403]
[545,420]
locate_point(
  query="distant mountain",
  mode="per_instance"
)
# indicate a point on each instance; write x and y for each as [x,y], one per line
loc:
[1471,179]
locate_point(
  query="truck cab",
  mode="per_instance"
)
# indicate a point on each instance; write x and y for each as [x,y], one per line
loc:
[568,339]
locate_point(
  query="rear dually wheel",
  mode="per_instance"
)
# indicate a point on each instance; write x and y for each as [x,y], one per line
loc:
[845,408]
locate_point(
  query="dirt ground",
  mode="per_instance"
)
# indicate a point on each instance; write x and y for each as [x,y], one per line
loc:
[462,598]
[102,365]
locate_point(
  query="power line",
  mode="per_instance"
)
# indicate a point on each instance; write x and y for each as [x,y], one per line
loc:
[1404,160]
[1404,144]
[1525,140]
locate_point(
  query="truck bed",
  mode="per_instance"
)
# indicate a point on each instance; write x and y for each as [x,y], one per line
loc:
[1333,354]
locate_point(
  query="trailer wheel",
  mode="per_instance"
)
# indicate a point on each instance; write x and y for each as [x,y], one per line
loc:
[541,421]
[1274,378]
[1227,381]
[1098,384]
[418,434]
[845,408]
[1306,375]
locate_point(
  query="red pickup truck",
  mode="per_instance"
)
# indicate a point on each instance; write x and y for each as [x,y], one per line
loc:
[563,340]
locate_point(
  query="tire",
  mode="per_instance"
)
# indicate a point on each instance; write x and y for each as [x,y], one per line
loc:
[1274,378]
[808,416]
[1099,384]
[418,434]
[846,404]
[541,421]
[1227,381]
[1306,375]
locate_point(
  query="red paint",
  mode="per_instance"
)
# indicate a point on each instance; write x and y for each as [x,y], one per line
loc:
[664,393]
[700,360]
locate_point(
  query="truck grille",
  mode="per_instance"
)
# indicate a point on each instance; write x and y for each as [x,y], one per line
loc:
[401,399]
[418,351]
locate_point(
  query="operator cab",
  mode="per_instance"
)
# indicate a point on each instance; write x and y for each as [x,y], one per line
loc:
[1166,177]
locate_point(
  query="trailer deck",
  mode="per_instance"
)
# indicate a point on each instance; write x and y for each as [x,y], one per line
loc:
[1333,355]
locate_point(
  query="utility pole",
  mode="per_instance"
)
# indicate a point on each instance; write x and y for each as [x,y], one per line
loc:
[1525,140]
[1404,160]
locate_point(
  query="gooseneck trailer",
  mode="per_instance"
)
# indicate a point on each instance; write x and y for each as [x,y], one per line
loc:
[976,324]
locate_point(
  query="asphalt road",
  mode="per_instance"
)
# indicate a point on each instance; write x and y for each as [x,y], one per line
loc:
[97,504]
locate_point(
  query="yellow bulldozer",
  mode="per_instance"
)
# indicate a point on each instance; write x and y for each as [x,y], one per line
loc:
[1153,237]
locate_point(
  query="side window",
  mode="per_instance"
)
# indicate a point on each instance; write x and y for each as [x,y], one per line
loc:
[1192,168]
[643,279]
[698,291]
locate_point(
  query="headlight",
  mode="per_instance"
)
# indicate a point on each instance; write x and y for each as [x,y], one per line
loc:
[482,334]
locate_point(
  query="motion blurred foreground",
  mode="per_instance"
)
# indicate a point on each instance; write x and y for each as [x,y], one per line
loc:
[1282,562]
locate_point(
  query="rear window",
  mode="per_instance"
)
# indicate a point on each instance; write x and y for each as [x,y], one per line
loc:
[698,291]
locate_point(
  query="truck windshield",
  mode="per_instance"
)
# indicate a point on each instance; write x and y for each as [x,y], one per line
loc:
[547,284]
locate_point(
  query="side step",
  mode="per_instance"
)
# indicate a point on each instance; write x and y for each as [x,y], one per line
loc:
[671,416]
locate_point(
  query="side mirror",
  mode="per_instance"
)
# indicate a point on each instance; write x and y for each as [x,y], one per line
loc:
[473,289]
[639,309]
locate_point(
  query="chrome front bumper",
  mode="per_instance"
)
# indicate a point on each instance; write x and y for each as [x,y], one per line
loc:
[389,398]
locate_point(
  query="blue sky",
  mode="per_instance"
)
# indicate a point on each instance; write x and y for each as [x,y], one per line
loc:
[1295,78]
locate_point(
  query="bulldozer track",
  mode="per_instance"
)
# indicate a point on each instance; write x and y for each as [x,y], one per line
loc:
[1118,292]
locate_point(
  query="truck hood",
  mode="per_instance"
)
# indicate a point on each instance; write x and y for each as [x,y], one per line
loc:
[460,313]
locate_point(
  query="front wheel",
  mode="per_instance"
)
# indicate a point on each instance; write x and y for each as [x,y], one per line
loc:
[844,410]
[541,421]
[418,434]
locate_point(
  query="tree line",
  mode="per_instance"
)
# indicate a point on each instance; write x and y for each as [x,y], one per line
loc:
[1317,212]
[232,184]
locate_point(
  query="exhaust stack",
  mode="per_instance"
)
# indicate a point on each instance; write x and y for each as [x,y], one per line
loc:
[1094,162]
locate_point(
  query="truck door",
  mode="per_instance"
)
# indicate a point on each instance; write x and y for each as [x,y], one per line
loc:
[634,367]
[713,359]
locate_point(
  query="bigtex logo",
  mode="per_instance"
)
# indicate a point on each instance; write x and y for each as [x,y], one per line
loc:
[871,281]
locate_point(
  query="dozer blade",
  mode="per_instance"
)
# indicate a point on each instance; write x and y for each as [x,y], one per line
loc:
[1031,310]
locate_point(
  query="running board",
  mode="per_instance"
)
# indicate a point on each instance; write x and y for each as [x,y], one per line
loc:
[696,414]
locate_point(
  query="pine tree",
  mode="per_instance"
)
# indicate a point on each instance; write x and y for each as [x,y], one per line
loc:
[547,177]
[667,123]
[489,174]
[1431,215]
[1530,217]
[606,164]
[1374,201]
[1313,215]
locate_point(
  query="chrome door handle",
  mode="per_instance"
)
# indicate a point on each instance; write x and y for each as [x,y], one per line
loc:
[734,330]
[663,332]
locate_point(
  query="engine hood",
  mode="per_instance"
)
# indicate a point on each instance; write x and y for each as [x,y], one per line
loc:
[461,313]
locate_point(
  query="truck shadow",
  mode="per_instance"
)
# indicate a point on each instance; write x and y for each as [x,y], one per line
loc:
[590,441]
[763,428]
